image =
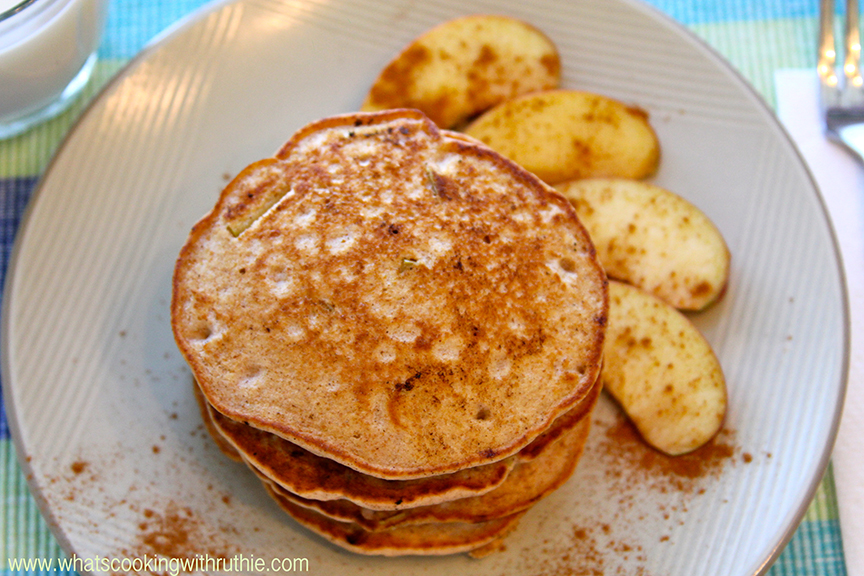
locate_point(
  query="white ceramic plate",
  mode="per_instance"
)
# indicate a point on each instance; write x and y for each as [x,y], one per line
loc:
[100,400]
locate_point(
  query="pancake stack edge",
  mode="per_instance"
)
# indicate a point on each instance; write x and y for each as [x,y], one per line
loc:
[398,330]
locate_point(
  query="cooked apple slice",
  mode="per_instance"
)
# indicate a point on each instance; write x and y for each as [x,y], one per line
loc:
[562,135]
[652,238]
[662,371]
[464,66]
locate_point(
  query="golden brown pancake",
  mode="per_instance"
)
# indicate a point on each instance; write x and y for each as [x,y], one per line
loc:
[405,303]
[303,473]
[529,482]
[309,476]
[221,442]
[563,424]
[416,539]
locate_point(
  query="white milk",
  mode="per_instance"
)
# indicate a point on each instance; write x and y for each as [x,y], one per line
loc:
[47,50]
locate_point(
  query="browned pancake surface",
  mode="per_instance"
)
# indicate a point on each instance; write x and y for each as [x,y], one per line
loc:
[563,424]
[529,482]
[310,476]
[417,539]
[400,301]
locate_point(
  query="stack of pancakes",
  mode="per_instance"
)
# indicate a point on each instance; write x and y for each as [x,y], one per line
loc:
[397,329]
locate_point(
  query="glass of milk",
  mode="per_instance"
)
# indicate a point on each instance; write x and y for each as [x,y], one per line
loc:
[47,53]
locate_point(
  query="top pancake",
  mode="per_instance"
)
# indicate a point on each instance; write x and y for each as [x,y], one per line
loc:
[404,301]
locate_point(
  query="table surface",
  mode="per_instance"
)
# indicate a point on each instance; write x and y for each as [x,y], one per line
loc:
[756,37]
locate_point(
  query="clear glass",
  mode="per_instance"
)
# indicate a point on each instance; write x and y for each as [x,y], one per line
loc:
[47,54]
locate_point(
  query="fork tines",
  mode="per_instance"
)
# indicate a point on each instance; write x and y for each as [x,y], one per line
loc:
[847,89]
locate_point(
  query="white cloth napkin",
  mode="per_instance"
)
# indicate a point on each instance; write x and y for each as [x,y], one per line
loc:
[841,179]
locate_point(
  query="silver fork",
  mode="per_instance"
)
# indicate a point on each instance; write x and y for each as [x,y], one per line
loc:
[842,94]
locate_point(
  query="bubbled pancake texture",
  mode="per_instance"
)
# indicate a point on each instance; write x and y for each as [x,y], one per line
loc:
[397,329]
[412,304]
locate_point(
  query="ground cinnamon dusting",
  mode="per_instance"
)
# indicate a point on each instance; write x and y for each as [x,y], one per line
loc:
[175,532]
[630,461]
[169,534]
[590,553]
[602,547]
[162,528]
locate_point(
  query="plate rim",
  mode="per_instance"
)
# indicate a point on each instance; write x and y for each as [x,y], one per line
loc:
[194,18]
[777,125]
[180,26]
